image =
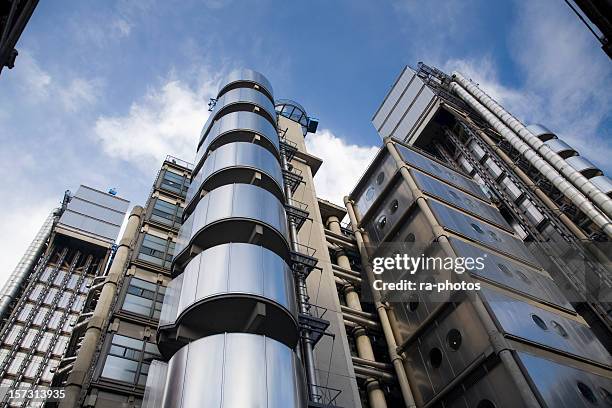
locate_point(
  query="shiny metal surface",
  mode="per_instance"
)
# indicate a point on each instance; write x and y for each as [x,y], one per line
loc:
[561,148]
[531,212]
[458,198]
[370,189]
[238,126]
[247,76]
[513,275]
[584,166]
[603,183]
[237,163]
[562,386]
[511,188]
[535,324]
[478,152]
[435,359]
[482,232]
[154,390]
[235,370]
[234,212]
[541,132]
[228,281]
[241,99]
[439,170]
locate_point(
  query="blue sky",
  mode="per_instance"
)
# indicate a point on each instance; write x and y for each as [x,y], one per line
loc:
[102,91]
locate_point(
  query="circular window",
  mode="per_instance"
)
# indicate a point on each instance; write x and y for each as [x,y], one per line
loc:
[453,339]
[370,193]
[394,206]
[382,221]
[485,403]
[523,277]
[410,237]
[504,269]
[413,302]
[452,193]
[539,322]
[494,236]
[435,357]
[380,178]
[477,228]
[559,329]
[586,392]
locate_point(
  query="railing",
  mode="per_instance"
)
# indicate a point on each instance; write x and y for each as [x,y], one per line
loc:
[179,162]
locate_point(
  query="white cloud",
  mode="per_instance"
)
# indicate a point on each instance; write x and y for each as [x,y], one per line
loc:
[167,120]
[343,164]
[78,93]
[564,78]
[122,27]
[34,82]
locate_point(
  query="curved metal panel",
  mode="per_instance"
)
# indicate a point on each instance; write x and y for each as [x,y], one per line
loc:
[603,183]
[584,166]
[245,75]
[235,370]
[244,207]
[541,132]
[561,148]
[538,325]
[241,126]
[233,98]
[237,163]
[228,281]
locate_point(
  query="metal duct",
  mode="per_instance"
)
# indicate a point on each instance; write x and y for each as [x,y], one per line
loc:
[582,183]
[540,164]
[26,264]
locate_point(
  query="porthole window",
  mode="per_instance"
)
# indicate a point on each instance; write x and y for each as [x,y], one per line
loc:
[539,322]
[382,221]
[477,228]
[370,193]
[453,339]
[485,403]
[587,392]
[468,203]
[410,237]
[494,236]
[504,269]
[523,277]
[380,178]
[435,357]
[559,328]
[453,194]
[394,206]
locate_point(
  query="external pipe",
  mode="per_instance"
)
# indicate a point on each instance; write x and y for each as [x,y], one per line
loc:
[101,313]
[496,338]
[575,196]
[26,264]
[396,359]
[582,183]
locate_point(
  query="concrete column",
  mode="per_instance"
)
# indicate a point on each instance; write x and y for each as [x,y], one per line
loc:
[101,313]
[376,397]
[333,224]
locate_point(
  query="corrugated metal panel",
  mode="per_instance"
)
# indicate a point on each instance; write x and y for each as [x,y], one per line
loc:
[95,213]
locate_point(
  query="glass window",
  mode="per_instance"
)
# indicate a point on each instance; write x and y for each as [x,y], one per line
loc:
[167,213]
[144,298]
[156,250]
[175,183]
[128,359]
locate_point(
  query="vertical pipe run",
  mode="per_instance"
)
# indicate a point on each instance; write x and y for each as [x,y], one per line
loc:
[303,299]
[396,359]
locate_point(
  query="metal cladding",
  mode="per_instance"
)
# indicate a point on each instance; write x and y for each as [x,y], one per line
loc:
[561,148]
[232,262]
[541,132]
[584,166]
[550,164]
[235,370]
[493,347]
[603,183]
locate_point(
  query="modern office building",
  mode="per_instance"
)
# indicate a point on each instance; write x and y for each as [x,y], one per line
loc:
[46,296]
[237,286]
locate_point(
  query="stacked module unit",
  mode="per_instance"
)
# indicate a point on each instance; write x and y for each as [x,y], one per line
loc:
[46,296]
[523,338]
[229,323]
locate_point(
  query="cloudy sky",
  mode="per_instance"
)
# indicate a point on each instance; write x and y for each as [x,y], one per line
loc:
[102,91]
